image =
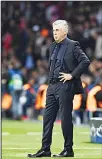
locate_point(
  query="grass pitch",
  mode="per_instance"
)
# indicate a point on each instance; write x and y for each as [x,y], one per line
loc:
[20,138]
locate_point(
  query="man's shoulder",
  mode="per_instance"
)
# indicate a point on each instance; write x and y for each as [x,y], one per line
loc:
[72,41]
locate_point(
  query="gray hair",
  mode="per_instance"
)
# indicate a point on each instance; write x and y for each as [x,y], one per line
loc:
[63,23]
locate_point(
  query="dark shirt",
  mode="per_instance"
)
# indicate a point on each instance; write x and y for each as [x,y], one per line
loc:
[58,68]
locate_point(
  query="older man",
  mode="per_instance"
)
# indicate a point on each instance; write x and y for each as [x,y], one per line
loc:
[67,63]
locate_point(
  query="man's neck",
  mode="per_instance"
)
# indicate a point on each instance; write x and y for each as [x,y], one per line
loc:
[61,40]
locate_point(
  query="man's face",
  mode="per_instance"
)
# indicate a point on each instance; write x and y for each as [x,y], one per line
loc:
[58,32]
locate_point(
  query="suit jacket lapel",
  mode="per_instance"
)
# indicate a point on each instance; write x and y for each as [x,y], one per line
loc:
[50,53]
[63,50]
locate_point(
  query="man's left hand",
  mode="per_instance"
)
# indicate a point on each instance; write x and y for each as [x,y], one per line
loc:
[65,77]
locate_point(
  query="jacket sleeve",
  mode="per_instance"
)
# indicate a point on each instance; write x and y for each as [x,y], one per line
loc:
[82,60]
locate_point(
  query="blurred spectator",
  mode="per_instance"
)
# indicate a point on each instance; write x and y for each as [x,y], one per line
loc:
[99,16]
[27,98]
[79,102]
[15,84]
[52,13]
[7,42]
[94,99]
[40,102]
[98,47]
[29,61]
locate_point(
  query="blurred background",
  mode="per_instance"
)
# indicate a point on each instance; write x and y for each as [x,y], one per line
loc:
[26,34]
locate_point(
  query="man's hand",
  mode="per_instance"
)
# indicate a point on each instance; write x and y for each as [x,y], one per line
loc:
[65,77]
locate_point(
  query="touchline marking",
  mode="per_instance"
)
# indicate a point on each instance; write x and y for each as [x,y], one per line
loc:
[40,133]
[5,133]
[82,133]
[14,148]
[85,148]
[28,133]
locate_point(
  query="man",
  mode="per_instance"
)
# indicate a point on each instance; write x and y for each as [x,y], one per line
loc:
[67,63]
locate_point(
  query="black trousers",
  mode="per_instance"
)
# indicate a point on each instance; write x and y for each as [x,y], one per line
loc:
[59,96]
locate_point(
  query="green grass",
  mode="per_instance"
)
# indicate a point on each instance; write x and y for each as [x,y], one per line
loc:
[18,143]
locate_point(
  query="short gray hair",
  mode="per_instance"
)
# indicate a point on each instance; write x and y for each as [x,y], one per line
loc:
[62,22]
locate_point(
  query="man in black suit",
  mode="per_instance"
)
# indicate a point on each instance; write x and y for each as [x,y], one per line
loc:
[67,63]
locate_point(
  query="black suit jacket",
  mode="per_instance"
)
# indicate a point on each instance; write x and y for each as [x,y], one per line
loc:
[76,61]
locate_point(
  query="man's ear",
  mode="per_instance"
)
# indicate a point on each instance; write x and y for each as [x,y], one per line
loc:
[65,32]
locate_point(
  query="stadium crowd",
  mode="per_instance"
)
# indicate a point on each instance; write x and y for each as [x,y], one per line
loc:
[26,35]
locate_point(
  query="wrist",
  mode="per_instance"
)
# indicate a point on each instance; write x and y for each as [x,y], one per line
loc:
[71,76]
